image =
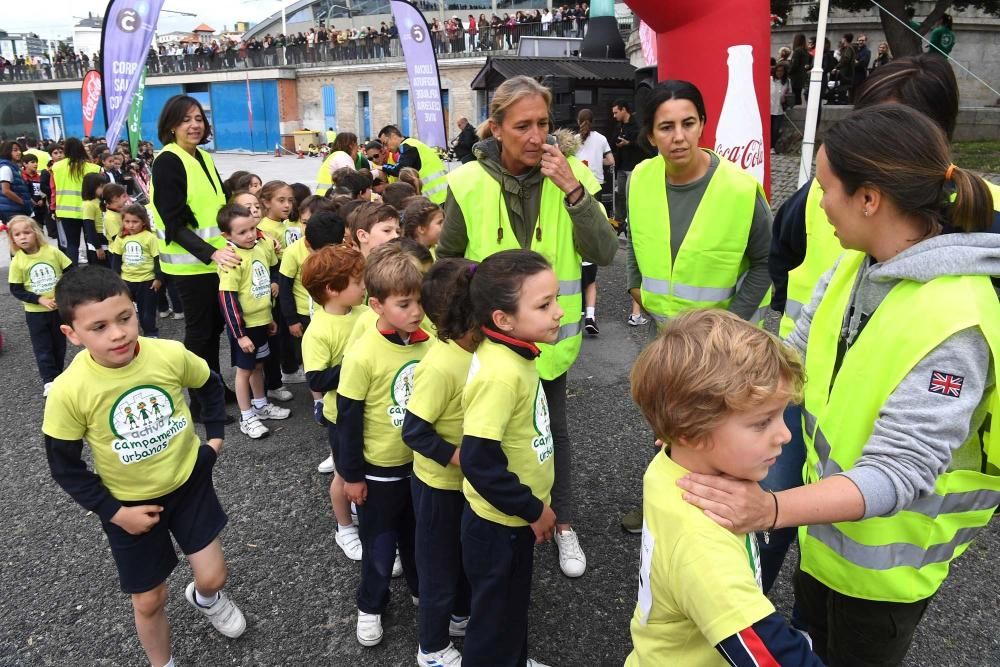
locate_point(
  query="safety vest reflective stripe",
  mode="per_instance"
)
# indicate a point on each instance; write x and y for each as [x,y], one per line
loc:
[77,193]
[889,556]
[74,209]
[168,258]
[567,287]
[689,292]
[569,330]
[205,233]
[433,173]
[866,558]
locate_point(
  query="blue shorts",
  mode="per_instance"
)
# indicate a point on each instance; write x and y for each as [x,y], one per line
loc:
[192,514]
[249,360]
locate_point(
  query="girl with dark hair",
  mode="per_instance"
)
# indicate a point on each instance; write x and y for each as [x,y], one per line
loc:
[906,325]
[93,219]
[15,195]
[68,176]
[187,193]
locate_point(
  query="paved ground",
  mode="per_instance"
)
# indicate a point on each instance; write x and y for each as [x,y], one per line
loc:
[60,603]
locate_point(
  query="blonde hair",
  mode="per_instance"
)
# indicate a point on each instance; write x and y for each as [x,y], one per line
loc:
[392,271]
[509,92]
[411,176]
[706,365]
[39,234]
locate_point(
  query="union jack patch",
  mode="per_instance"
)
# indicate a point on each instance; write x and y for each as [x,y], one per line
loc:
[946,384]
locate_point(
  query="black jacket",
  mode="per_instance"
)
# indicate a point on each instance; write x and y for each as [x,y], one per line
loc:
[466,140]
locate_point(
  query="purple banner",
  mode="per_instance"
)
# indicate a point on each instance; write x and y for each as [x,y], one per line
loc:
[128,31]
[422,68]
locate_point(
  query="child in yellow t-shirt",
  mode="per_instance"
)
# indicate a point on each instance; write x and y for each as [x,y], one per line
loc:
[35,268]
[93,218]
[506,453]
[135,255]
[333,277]
[245,294]
[276,202]
[714,388]
[113,200]
[151,478]
[376,379]
[433,429]
[422,221]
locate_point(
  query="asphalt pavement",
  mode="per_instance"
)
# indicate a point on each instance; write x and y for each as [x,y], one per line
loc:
[61,605]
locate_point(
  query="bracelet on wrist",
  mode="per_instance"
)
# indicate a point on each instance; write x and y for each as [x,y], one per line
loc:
[767,533]
[572,194]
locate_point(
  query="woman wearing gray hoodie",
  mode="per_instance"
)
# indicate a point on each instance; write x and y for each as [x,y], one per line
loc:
[901,342]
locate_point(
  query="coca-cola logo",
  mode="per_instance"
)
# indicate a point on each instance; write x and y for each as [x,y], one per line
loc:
[92,97]
[748,156]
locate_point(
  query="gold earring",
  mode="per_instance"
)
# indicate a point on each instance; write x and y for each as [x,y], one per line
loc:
[867,213]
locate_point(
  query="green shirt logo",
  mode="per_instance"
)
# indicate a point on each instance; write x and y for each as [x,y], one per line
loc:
[42,277]
[543,442]
[399,392]
[132,253]
[143,422]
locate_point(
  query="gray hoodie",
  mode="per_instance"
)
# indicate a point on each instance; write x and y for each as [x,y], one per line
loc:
[918,434]
[593,237]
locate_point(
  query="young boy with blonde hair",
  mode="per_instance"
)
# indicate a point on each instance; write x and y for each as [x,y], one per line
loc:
[376,380]
[713,388]
[371,225]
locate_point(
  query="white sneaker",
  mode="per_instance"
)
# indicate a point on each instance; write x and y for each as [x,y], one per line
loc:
[446,657]
[636,320]
[369,629]
[225,616]
[252,428]
[165,314]
[397,567]
[349,542]
[457,625]
[297,377]
[178,316]
[572,562]
[326,465]
[272,411]
[280,394]
[45,389]
[534,663]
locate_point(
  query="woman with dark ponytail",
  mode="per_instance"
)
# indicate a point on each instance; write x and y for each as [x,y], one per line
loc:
[901,341]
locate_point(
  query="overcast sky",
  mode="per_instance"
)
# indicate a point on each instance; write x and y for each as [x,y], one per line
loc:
[55,18]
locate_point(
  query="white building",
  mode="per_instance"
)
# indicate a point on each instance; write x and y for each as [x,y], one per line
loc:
[87,35]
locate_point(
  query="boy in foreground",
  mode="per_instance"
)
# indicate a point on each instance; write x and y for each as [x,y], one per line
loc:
[713,388]
[152,477]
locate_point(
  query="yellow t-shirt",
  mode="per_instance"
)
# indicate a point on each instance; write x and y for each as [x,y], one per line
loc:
[438,383]
[323,346]
[112,224]
[137,252]
[504,401]
[134,419]
[251,281]
[698,583]
[39,273]
[291,267]
[92,211]
[293,232]
[273,230]
[380,373]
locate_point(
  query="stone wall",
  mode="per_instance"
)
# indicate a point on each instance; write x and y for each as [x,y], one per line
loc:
[382,82]
[974,123]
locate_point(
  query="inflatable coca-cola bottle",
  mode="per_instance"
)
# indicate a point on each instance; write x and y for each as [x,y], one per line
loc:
[740,134]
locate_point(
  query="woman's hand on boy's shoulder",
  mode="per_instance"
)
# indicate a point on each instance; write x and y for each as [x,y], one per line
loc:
[738,505]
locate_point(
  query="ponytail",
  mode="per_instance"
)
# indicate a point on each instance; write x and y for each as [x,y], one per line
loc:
[446,297]
[972,209]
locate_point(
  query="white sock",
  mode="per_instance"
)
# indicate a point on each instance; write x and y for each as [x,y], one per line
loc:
[317,401]
[349,528]
[258,403]
[204,601]
[590,311]
[246,414]
[170,663]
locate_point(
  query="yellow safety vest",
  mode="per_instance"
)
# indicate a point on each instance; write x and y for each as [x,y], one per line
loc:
[330,136]
[69,196]
[822,250]
[477,195]
[204,197]
[712,258]
[904,557]
[323,177]
[433,174]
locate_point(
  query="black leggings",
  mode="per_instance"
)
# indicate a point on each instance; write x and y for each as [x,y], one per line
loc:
[203,323]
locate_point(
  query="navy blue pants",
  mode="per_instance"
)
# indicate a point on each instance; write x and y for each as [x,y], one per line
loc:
[145,304]
[47,342]
[175,301]
[786,473]
[444,589]
[498,562]
[385,520]
[70,230]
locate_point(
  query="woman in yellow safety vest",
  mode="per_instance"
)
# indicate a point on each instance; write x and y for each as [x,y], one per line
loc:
[901,343]
[187,193]
[343,152]
[67,176]
[523,192]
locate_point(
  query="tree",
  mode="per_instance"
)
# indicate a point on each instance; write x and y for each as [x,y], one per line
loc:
[902,42]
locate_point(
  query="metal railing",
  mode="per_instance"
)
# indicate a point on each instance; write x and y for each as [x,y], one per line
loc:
[485,41]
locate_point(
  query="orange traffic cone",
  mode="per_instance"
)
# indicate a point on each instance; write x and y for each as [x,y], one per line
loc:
[277,150]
